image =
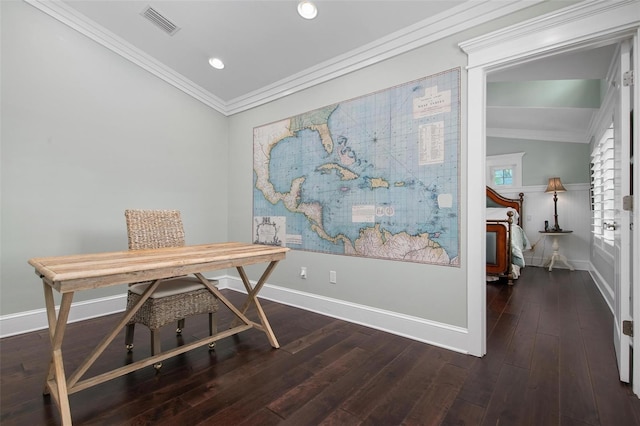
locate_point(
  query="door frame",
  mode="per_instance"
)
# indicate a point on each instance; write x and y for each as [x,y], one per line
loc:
[583,25]
[622,220]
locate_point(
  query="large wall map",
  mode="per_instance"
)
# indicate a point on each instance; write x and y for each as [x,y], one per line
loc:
[375,176]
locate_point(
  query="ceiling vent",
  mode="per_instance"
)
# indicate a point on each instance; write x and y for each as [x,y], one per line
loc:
[163,23]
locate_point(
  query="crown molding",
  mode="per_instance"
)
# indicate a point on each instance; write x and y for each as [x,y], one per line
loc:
[538,135]
[454,20]
[450,22]
[584,22]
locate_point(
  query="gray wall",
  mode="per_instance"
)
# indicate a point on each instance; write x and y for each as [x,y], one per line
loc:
[544,159]
[85,135]
[435,293]
[425,291]
[545,93]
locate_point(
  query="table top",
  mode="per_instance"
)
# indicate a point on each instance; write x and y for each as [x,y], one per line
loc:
[86,271]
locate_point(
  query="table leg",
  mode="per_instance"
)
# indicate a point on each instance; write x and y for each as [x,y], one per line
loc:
[563,259]
[252,294]
[95,353]
[56,381]
[239,315]
[51,319]
[557,256]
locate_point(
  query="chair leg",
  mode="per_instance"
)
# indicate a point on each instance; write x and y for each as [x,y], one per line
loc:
[213,327]
[213,323]
[155,342]
[128,336]
[180,326]
[155,347]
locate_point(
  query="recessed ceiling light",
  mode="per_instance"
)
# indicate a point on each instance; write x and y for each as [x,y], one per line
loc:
[307,9]
[216,63]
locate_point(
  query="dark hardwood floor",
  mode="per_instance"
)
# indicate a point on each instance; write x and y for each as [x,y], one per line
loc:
[550,361]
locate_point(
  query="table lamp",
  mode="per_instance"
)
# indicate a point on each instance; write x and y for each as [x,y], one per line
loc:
[555,186]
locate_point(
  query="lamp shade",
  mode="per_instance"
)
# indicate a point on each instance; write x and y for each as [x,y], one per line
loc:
[555,185]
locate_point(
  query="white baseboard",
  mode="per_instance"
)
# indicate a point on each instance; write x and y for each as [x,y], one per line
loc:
[605,289]
[25,322]
[431,332]
[578,265]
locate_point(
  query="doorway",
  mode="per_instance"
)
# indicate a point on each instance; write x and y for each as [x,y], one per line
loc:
[577,27]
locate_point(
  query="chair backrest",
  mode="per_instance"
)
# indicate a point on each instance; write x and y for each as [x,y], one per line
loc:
[147,229]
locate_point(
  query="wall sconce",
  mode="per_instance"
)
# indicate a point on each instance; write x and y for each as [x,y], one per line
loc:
[555,186]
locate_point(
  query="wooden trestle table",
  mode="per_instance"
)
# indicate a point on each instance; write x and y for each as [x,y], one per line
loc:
[68,274]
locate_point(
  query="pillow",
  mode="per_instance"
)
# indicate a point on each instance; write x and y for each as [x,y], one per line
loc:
[500,213]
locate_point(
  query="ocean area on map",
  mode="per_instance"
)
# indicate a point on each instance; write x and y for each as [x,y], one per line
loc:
[351,178]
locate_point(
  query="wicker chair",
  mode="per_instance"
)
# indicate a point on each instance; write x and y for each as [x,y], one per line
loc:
[174,299]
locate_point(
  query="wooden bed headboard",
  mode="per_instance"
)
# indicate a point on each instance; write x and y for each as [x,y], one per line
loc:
[496,200]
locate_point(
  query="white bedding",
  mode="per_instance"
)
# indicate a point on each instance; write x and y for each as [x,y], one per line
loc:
[519,240]
[500,213]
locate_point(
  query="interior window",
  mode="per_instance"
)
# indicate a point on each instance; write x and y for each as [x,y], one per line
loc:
[503,177]
[504,171]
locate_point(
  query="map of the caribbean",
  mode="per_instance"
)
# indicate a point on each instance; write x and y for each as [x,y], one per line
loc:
[376,176]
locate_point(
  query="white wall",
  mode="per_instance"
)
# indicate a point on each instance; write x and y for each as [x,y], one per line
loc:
[574,213]
[104,130]
[85,135]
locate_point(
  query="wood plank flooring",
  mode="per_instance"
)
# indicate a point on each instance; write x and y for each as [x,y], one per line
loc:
[550,361]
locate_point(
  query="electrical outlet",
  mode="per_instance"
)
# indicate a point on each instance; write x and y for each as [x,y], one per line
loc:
[332,277]
[303,272]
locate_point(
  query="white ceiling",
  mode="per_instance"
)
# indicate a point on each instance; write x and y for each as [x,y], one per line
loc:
[261,42]
[549,123]
[270,51]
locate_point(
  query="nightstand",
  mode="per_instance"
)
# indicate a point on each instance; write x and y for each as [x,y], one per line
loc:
[556,256]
